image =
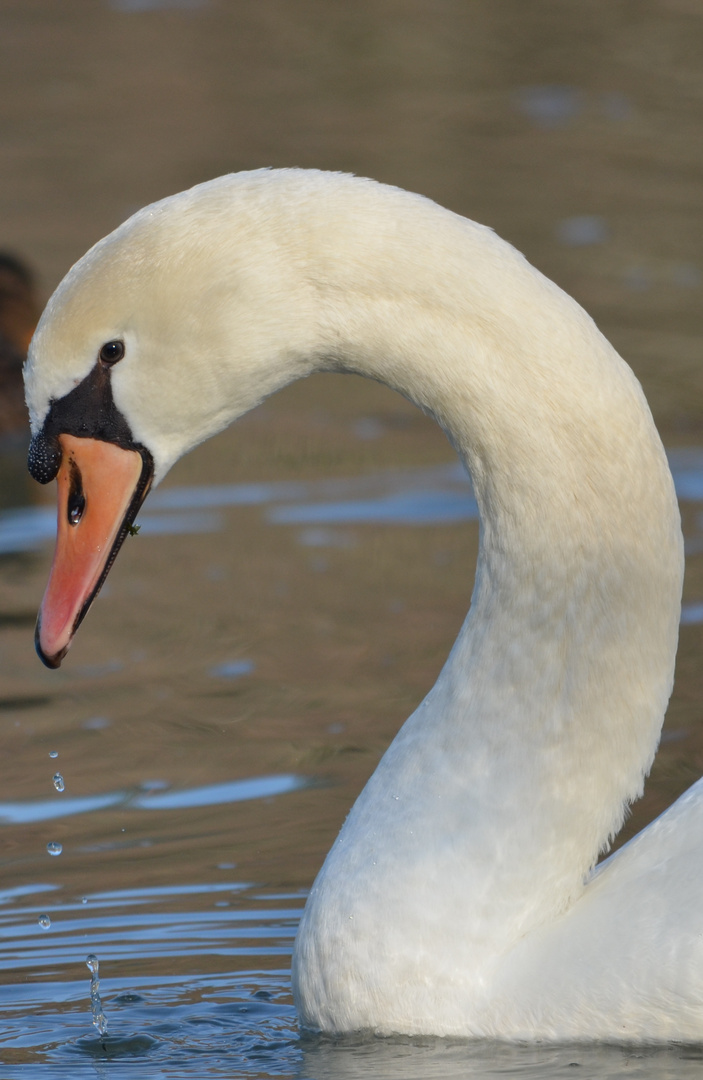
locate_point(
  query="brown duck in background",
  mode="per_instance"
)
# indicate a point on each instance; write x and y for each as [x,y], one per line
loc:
[19,313]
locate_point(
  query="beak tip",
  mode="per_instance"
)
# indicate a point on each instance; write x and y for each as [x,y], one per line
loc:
[52,662]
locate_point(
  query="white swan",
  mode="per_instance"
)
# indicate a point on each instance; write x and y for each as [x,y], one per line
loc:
[460,897]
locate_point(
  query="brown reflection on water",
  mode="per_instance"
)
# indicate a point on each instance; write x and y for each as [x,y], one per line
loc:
[575,131]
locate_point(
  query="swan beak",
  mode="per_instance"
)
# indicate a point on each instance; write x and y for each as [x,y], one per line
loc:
[100,489]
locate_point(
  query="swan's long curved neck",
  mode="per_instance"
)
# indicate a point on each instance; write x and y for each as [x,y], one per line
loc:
[519,765]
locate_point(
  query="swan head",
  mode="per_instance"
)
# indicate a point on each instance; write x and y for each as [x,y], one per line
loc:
[184,318]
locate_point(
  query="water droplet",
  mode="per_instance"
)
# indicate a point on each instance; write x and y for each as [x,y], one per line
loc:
[84,899]
[96,1007]
[44,922]
[54,849]
[58,781]
[53,753]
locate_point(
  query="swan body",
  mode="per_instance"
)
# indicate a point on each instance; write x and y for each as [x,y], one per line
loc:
[460,897]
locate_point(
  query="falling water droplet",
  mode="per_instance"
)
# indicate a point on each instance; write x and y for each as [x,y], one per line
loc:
[44,922]
[96,1006]
[84,899]
[58,781]
[54,849]
[53,753]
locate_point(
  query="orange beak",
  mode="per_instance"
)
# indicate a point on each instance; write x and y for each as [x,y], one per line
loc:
[100,489]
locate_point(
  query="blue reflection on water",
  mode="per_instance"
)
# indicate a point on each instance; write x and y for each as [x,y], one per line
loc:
[189,987]
[30,527]
[212,496]
[406,508]
[24,813]
[549,106]
[136,6]
[691,614]
[686,465]
[259,787]
[434,496]
[232,669]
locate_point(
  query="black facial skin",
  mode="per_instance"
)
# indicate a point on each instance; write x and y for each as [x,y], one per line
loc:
[88,412]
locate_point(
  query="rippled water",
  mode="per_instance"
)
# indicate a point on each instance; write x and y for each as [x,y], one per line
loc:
[204,1019]
[227,1011]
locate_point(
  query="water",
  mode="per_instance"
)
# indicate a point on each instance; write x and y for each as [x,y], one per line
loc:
[96,1005]
[232,669]
[145,797]
[297,582]
[58,781]
[201,1015]
[235,1018]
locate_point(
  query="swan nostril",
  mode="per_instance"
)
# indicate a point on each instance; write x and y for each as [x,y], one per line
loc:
[75,504]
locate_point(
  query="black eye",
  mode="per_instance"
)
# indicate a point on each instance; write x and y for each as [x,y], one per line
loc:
[111,352]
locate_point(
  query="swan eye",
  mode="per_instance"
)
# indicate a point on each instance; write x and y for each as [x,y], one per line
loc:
[111,352]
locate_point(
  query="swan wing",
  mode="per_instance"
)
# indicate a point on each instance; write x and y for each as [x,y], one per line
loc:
[626,961]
